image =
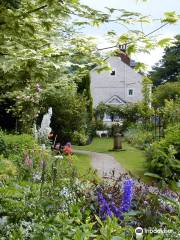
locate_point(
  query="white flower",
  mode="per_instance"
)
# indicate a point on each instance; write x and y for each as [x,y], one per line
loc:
[27,97]
[3,220]
[43,146]
[59,157]
[36,176]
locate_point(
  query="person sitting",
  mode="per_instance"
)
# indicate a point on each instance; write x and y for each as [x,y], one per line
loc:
[57,146]
[68,149]
[51,136]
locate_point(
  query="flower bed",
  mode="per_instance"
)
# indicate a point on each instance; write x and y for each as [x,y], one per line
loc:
[47,199]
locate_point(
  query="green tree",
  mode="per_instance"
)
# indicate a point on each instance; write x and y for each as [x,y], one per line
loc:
[168,69]
[40,43]
[33,53]
[10,3]
[171,112]
[164,92]
[100,110]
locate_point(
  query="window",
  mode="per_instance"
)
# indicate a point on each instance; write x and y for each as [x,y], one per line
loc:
[113,73]
[130,92]
[107,117]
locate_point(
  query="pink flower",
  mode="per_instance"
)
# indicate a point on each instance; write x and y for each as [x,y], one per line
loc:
[38,88]
[28,162]
[42,164]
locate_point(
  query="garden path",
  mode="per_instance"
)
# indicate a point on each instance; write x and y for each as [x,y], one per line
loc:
[105,164]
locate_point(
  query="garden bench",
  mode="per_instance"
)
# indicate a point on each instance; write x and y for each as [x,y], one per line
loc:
[103,132]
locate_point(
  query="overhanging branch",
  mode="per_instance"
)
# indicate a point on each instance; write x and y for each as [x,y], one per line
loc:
[127,43]
[36,9]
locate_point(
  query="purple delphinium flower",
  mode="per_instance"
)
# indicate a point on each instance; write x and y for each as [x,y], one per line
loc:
[127,195]
[104,207]
[110,209]
[68,144]
[116,211]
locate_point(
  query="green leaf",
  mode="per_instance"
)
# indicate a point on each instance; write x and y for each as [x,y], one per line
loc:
[132,213]
[80,23]
[132,48]
[171,17]
[117,238]
[99,220]
[103,68]
[152,175]
[111,33]
[123,38]
[140,66]
[165,42]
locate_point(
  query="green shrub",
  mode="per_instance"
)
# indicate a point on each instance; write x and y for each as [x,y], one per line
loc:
[172,137]
[161,160]
[163,156]
[3,147]
[116,127]
[100,125]
[17,144]
[7,168]
[79,137]
[69,115]
[91,131]
[138,137]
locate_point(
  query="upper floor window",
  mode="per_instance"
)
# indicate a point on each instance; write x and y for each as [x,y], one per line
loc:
[130,92]
[113,73]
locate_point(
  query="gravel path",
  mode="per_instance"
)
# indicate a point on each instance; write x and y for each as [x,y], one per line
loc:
[105,164]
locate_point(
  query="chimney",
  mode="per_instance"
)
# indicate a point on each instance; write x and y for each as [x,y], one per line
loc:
[124,58]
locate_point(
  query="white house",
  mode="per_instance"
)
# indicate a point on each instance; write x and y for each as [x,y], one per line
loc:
[120,86]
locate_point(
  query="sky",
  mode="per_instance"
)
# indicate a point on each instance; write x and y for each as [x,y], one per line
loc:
[154,8]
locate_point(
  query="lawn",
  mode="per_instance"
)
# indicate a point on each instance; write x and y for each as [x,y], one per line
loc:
[101,145]
[83,164]
[132,159]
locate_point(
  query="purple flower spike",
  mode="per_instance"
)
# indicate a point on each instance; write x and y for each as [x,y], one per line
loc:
[104,207]
[116,211]
[127,195]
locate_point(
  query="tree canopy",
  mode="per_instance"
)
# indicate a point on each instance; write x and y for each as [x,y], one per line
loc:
[168,69]
[41,46]
[167,91]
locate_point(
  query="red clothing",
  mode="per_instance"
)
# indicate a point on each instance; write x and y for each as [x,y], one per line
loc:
[68,150]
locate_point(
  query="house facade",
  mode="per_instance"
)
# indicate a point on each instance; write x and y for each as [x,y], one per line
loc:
[121,85]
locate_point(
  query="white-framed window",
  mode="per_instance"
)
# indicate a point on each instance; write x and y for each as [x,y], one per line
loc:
[113,72]
[107,117]
[130,92]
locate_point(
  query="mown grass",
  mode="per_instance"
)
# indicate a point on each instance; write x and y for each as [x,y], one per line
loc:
[132,159]
[82,162]
[101,145]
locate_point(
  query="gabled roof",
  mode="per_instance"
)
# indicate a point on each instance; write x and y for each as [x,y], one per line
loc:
[115,100]
[131,66]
